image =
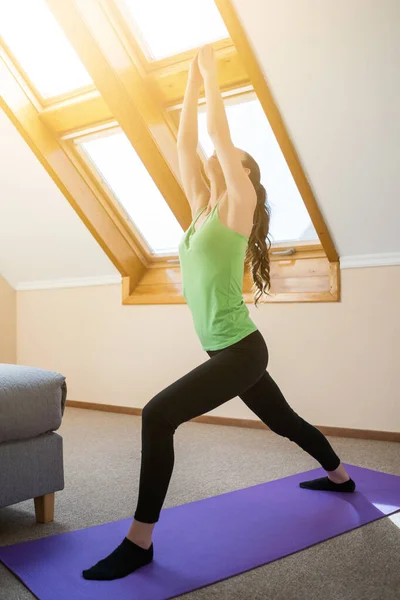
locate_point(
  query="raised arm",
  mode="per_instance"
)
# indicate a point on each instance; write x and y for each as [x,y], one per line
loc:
[194,185]
[237,182]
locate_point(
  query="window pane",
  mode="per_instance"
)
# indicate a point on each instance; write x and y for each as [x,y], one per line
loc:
[40,46]
[251,131]
[168,27]
[125,174]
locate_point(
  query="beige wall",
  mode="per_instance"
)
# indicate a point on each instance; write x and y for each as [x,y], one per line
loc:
[8,310]
[337,364]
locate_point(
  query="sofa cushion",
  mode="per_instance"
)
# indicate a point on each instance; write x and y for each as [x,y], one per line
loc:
[30,468]
[32,401]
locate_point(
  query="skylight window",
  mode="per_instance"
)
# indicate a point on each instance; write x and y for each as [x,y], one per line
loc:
[167,27]
[251,131]
[41,48]
[128,179]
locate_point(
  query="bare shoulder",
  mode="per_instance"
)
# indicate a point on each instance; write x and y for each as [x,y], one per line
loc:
[237,216]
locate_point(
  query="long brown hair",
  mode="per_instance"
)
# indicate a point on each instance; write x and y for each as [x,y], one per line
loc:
[257,252]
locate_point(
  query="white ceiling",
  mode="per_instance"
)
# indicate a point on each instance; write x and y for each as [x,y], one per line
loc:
[333,68]
[42,239]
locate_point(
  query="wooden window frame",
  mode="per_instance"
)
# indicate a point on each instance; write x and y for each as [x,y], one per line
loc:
[86,198]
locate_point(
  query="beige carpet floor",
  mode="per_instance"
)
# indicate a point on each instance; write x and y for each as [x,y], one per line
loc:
[102,462]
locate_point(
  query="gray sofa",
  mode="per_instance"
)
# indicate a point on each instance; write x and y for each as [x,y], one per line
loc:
[32,403]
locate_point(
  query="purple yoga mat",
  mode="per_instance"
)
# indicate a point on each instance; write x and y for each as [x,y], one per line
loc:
[203,542]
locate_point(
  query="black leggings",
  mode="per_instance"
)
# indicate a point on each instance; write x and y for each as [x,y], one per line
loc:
[238,370]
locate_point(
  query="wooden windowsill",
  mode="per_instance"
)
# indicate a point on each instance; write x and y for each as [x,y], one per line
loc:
[307,276]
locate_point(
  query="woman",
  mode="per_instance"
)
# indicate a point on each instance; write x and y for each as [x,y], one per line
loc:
[230,225]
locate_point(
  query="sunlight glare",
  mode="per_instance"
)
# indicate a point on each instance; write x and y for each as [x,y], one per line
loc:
[395,519]
[40,46]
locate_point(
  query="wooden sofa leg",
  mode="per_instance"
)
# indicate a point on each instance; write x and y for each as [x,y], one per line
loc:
[44,508]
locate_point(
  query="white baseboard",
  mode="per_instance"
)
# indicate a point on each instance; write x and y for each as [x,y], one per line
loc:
[69,283]
[370,260]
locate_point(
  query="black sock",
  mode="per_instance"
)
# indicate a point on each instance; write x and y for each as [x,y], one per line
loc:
[125,559]
[324,483]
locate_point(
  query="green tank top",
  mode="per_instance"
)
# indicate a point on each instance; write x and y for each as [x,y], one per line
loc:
[212,267]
